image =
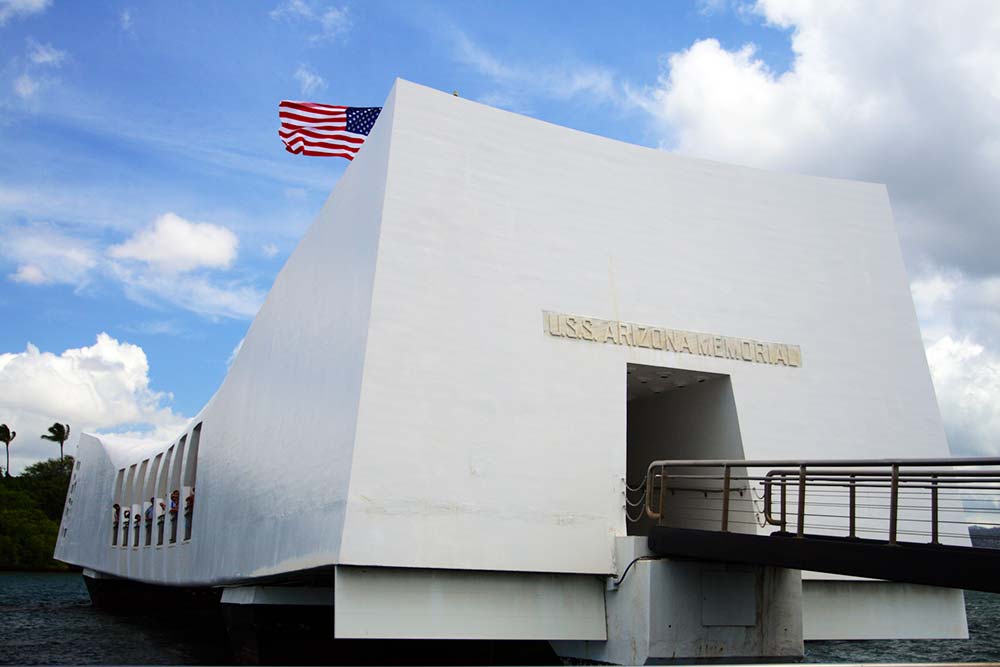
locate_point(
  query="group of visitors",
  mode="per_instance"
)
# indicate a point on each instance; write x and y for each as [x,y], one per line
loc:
[175,497]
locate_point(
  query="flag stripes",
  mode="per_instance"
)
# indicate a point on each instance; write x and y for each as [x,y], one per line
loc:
[310,128]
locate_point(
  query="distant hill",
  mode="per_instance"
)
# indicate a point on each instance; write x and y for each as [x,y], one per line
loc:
[988,538]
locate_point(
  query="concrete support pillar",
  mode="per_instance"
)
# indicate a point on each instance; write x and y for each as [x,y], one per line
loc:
[667,610]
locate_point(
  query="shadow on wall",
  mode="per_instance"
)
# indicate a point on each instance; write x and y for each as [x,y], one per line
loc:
[682,414]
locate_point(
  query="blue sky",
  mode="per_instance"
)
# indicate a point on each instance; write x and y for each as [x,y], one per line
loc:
[144,192]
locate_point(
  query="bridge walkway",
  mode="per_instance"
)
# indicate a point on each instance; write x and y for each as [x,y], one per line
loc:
[905,520]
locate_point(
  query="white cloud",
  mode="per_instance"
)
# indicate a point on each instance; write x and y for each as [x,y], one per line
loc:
[967,381]
[331,21]
[45,54]
[309,81]
[269,249]
[31,274]
[125,20]
[173,262]
[517,82]
[196,293]
[26,86]
[43,255]
[11,8]
[102,387]
[900,93]
[175,245]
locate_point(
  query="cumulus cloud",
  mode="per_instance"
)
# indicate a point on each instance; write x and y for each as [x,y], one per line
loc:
[173,244]
[330,21]
[125,20]
[168,262]
[901,93]
[103,387]
[309,81]
[173,262]
[18,8]
[967,381]
[269,249]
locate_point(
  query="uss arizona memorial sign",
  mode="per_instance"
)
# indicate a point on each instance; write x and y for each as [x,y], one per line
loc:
[670,340]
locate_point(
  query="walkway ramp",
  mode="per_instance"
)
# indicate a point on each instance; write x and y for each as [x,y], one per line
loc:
[902,520]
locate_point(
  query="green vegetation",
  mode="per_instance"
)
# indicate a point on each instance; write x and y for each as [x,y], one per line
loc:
[31,507]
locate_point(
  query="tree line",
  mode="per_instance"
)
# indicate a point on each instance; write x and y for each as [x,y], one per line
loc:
[57,433]
[31,505]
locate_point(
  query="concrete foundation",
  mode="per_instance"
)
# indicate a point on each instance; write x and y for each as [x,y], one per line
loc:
[667,610]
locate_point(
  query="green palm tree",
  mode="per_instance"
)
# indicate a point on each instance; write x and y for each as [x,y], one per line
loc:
[58,433]
[6,435]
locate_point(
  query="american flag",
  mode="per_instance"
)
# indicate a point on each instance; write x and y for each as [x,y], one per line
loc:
[308,128]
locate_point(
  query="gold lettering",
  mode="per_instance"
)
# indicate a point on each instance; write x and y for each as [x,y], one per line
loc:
[705,345]
[569,326]
[552,324]
[779,353]
[717,347]
[642,336]
[670,340]
[625,334]
[656,338]
[610,332]
[762,354]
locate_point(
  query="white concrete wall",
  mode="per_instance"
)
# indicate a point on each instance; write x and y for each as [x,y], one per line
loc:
[881,610]
[476,429]
[391,603]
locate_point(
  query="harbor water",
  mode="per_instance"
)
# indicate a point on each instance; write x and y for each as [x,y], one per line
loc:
[48,619]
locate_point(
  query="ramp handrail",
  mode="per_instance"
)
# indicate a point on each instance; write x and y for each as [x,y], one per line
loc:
[874,496]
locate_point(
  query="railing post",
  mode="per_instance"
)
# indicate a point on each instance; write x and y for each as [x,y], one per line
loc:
[726,474]
[784,501]
[663,494]
[802,502]
[894,503]
[853,513]
[934,510]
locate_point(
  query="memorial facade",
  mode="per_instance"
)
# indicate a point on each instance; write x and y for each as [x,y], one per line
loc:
[492,327]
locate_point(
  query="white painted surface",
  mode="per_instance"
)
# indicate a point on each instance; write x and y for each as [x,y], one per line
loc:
[881,610]
[668,610]
[439,604]
[396,402]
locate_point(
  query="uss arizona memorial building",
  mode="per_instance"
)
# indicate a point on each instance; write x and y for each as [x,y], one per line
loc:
[492,327]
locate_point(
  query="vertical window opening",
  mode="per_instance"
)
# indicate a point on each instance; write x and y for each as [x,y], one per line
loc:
[162,496]
[190,475]
[150,493]
[175,489]
[127,507]
[116,507]
[138,503]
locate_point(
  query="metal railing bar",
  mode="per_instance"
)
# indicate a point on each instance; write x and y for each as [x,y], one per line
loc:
[827,463]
